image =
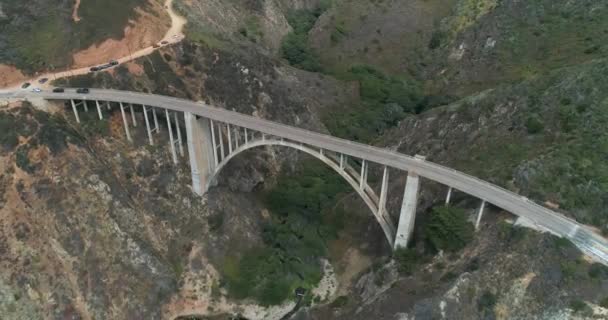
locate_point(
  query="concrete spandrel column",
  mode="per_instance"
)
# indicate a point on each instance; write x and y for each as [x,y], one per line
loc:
[383,194]
[447,198]
[156,126]
[480,213]
[221,136]
[179,134]
[171,141]
[229,131]
[75,110]
[124,121]
[133,115]
[148,129]
[213,142]
[362,181]
[407,216]
[98,110]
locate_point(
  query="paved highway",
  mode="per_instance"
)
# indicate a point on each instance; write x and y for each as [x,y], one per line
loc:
[585,238]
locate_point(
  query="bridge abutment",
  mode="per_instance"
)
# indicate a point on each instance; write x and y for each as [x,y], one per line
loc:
[407,216]
[200,150]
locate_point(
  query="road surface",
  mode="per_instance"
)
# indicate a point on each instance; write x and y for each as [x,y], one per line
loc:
[583,236]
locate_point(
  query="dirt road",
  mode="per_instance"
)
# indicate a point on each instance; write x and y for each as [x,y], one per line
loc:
[173,35]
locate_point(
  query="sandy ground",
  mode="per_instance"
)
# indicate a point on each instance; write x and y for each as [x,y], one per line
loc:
[141,33]
[138,41]
[10,75]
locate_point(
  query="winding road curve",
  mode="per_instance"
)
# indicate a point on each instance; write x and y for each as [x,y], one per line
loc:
[173,35]
[583,236]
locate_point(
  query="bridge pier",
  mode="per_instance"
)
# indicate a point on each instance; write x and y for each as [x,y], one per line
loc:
[447,198]
[171,141]
[479,214]
[201,146]
[98,109]
[148,128]
[75,110]
[407,215]
[124,121]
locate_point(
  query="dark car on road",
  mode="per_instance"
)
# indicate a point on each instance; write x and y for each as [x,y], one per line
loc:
[43,80]
[25,85]
[93,69]
[58,90]
[82,90]
[113,62]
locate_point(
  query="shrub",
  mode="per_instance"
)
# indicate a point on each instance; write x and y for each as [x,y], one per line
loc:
[448,229]
[534,125]
[598,271]
[604,303]
[406,259]
[436,39]
[578,306]
[487,301]
[296,51]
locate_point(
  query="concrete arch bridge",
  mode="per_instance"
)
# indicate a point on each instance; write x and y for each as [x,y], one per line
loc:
[215,136]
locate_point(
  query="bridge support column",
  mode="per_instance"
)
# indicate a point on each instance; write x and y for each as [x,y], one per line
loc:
[201,151]
[171,141]
[220,132]
[132,115]
[447,198]
[213,142]
[124,121]
[148,129]
[383,193]
[229,131]
[479,214]
[75,111]
[363,175]
[407,216]
[179,135]
[98,110]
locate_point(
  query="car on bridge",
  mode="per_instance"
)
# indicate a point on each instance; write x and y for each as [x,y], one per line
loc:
[82,90]
[58,90]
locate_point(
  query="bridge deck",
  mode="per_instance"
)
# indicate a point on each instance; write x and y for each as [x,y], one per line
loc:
[500,197]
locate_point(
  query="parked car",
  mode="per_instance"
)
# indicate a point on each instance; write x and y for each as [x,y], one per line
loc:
[113,62]
[43,80]
[36,90]
[93,69]
[25,85]
[58,90]
[82,90]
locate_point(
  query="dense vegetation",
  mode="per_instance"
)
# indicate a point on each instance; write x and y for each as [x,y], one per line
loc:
[448,229]
[52,35]
[385,100]
[295,48]
[294,238]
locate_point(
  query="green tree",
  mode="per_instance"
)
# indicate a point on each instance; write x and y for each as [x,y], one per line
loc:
[448,229]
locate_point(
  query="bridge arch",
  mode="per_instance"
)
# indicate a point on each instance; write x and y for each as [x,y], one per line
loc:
[368,195]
